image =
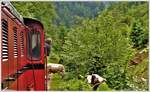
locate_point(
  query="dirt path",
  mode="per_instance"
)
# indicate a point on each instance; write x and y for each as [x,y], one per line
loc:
[138,58]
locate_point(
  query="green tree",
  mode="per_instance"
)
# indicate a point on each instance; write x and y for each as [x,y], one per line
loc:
[103,44]
[98,46]
[42,11]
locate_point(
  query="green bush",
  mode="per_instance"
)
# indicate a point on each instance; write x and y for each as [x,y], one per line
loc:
[98,47]
[136,74]
[103,45]
[103,87]
[54,58]
[139,36]
[73,84]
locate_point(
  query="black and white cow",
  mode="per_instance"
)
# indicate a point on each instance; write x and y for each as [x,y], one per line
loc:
[95,80]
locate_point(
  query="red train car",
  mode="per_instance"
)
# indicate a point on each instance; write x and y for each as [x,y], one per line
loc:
[23,65]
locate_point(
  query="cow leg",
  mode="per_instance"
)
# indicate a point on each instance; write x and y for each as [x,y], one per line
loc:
[96,86]
[62,74]
[48,81]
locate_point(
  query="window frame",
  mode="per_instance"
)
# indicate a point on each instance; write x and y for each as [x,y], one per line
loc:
[27,39]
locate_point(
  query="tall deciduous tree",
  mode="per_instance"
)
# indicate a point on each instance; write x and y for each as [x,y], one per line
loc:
[43,11]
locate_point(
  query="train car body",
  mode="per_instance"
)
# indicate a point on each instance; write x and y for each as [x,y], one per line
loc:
[23,65]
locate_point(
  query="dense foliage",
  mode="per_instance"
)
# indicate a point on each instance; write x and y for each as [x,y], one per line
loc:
[103,45]
[98,48]
[73,84]
[95,37]
[42,11]
[68,12]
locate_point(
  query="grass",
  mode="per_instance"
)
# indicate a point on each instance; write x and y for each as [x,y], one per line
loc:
[58,84]
[136,73]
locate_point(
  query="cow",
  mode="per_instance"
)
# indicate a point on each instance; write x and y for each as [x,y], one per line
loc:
[56,68]
[95,80]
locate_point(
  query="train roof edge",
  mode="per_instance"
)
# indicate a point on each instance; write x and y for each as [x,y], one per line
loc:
[13,10]
[18,15]
[33,20]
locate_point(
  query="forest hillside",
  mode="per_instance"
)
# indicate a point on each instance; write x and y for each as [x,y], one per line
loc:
[106,38]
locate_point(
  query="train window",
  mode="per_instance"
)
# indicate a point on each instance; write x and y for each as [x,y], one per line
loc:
[15,42]
[22,43]
[33,45]
[4,40]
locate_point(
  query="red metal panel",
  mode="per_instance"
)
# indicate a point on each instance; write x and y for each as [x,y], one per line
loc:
[26,81]
[40,80]
[12,63]
[25,48]
[19,50]
[11,46]
[4,63]
[22,58]
[16,59]
[19,84]
[4,69]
